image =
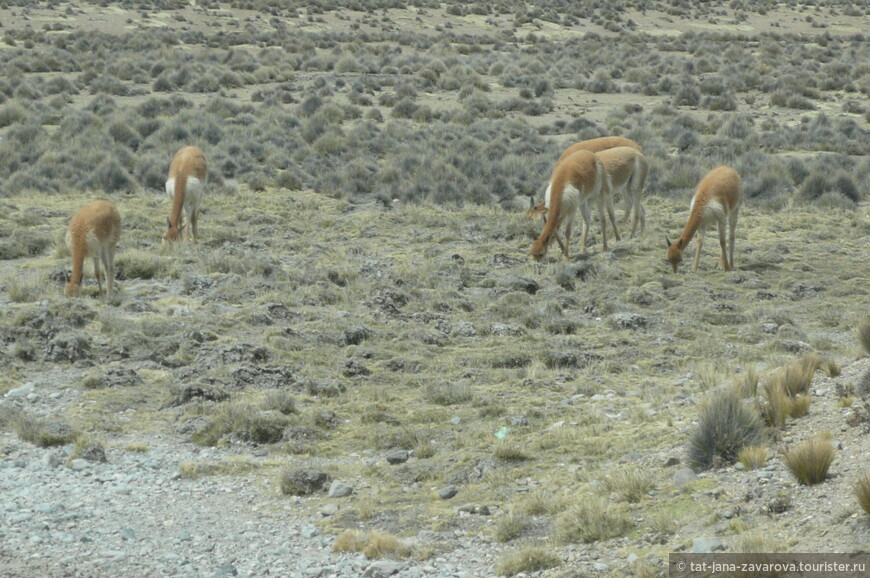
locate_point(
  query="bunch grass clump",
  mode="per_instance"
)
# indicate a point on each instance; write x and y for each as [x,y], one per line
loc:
[526,560]
[809,461]
[861,488]
[630,484]
[591,520]
[510,526]
[373,545]
[725,426]
[864,335]
[753,457]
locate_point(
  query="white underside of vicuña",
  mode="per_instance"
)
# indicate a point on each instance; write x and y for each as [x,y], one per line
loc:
[91,241]
[192,196]
[714,212]
[570,204]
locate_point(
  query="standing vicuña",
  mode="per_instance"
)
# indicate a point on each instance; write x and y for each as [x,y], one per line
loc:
[185,185]
[717,200]
[626,169]
[93,232]
[574,181]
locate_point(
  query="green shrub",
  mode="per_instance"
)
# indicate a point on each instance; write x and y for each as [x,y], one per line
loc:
[725,426]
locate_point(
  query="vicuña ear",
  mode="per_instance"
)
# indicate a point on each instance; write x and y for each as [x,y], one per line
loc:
[668,242]
[531,203]
[168,223]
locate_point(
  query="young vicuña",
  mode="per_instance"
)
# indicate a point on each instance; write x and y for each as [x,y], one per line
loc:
[93,232]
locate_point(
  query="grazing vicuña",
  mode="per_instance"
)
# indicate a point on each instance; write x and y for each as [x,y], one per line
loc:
[93,232]
[185,185]
[574,181]
[627,169]
[717,200]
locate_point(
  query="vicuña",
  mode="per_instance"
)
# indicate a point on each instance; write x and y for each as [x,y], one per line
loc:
[717,200]
[185,185]
[574,181]
[93,232]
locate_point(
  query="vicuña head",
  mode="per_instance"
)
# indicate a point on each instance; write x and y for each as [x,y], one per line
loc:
[185,185]
[574,182]
[93,232]
[717,200]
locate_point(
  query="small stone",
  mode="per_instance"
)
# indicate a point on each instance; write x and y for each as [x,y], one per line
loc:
[448,492]
[382,569]
[706,545]
[328,510]
[397,457]
[21,391]
[339,489]
[128,534]
[226,570]
[79,465]
[683,476]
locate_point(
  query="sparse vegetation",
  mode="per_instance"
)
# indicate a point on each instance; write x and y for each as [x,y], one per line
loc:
[753,457]
[810,460]
[361,303]
[373,545]
[726,424]
[861,488]
[591,520]
[527,559]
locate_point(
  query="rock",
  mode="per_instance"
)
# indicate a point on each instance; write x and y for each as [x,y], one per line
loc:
[683,476]
[464,329]
[67,347]
[397,457]
[22,391]
[518,420]
[356,335]
[302,482]
[382,569]
[339,489]
[524,284]
[78,465]
[94,453]
[631,321]
[328,510]
[226,570]
[706,545]
[448,492]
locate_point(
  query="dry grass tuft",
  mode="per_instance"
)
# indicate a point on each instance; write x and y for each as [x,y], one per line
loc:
[541,503]
[509,452]
[777,404]
[809,462]
[373,545]
[864,335]
[510,526]
[747,386]
[861,488]
[528,559]
[753,457]
[630,484]
[590,520]
[800,405]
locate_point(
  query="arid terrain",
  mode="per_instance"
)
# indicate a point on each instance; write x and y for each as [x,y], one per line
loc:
[359,369]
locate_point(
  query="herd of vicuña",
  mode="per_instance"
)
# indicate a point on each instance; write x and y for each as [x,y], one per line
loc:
[596,169]
[589,171]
